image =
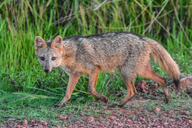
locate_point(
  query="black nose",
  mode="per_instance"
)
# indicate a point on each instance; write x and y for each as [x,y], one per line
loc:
[46,70]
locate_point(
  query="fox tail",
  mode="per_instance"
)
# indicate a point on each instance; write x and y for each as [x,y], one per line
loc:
[162,57]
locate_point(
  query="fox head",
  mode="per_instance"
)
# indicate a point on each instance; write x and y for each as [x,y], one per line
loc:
[49,53]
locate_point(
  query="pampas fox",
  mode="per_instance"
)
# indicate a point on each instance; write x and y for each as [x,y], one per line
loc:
[127,52]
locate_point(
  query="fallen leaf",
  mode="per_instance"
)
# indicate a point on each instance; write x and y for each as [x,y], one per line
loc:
[142,85]
[91,119]
[25,123]
[128,120]
[18,126]
[157,109]
[113,117]
[44,123]
[62,117]
[185,112]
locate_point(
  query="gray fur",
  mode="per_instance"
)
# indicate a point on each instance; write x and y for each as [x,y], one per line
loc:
[128,52]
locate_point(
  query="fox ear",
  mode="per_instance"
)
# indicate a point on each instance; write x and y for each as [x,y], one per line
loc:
[39,43]
[57,42]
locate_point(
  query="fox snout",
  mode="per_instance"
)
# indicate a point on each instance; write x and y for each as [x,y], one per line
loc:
[46,70]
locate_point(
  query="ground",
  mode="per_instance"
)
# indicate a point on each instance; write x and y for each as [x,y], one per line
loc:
[146,110]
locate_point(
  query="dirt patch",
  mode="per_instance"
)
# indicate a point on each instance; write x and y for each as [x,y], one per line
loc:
[138,116]
[122,118]
[133,117]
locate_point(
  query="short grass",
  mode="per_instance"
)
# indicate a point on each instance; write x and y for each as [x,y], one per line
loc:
[16,107]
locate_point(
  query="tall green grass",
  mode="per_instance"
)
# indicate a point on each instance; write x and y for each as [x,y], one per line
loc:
[168,21]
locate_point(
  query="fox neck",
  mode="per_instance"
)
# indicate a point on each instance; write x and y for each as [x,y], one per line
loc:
[68,60]
[68,56]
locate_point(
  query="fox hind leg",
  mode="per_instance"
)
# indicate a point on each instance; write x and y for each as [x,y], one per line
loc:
[92,85]
[148,73]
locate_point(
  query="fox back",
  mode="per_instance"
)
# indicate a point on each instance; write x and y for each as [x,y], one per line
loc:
[106,51]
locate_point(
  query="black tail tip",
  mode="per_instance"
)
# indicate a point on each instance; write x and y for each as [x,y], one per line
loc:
[177,82]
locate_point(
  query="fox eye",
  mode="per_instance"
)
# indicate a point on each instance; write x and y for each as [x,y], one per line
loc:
[42,58]
[53,58]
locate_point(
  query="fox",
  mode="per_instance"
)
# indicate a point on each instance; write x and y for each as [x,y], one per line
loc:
[127,52]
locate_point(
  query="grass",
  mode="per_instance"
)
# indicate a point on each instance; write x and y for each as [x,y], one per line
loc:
[24,85]
[19,106]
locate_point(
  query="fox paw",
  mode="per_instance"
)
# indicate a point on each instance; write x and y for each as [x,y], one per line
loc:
[112,105]
[166,100]
[58,105]
[105,99]
[121,105]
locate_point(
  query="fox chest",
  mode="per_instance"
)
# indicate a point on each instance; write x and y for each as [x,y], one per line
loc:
[75,69]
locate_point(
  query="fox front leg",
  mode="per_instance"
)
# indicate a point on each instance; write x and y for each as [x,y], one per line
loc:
[73,79]
[92,85]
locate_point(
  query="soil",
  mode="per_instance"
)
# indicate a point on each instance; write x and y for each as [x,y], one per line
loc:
[140,119]
[121,118]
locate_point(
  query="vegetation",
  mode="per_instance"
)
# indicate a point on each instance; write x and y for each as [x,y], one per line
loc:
[168,22]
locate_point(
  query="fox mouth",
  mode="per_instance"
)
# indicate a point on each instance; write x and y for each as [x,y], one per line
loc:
[47,71]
